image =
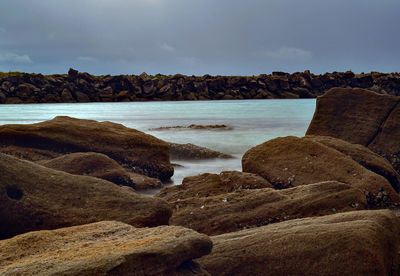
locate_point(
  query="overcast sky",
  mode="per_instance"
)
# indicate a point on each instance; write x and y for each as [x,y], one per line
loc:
[225,37]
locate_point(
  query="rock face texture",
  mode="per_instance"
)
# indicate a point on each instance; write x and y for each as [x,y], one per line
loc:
[193,152]
[134,150]
[364,117]
[214,215]
[209,184]
[33,197]
[91,164]
[291,161]
[83,87]
[352,243]
[105,248]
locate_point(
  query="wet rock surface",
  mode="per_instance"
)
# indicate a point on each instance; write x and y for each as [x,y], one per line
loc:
[33,197]
[193,152]
[105,248]
[248,208]
[134,150]
[352,243]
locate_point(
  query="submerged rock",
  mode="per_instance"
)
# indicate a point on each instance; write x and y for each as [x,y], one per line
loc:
[230,212]
[291,161]
[91,164]
[105,248]
[194,126]
[135,150]
[33,197]
[352,243]
[193,152]
[209,184]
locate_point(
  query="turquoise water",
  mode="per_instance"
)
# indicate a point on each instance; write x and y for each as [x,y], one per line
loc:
[253,122]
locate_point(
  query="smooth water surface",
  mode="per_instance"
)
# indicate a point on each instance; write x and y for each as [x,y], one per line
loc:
[253,122]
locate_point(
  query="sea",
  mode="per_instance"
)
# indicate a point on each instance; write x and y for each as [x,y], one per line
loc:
[250,122]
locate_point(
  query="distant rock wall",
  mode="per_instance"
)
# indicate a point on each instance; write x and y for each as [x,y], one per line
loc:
[83,87]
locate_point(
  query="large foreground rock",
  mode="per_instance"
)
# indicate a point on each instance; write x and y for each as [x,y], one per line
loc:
[91,164]
[209,184]
[291,161]
[105,248]
[360,116]
[135,150]
[33,197]
[241,209]
[352,243]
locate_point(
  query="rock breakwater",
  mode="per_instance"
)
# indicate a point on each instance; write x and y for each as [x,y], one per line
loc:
[83,87]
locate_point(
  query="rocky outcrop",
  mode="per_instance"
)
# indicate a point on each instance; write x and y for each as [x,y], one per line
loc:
[291,161]
[134,150]
[193,152]
[143,182]
[90,164]
[208,184]
[83,87]
[247,208]
[352,243]
[33,197]
[365,117]
[105,248]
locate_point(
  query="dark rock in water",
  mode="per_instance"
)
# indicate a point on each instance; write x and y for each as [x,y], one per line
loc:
[291,161]
[197,127]
[352,243]
[90,164]
[247,208]
[33,197]
[360,116]
[105,248]
[142,182]
[134,150]
[209,184]
[193,152]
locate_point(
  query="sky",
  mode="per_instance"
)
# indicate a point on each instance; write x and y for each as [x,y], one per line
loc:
[197,37]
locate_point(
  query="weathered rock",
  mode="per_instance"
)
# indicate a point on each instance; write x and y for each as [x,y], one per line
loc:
[193,152]
[33,197]
[241,209]
[352,243]
[209,184]
[291,161]
[197,127]
[91,164]
[135,150]
[143,182]
[105,248]
[362,155]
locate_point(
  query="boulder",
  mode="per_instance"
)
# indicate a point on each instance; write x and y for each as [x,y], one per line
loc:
[33,197]
[142,182]
[209,184]
[362,155]
[352,243]
[292,161]
[193,152]
[134,150]
[214,215]
[360,116]
[105,248]
[91,164]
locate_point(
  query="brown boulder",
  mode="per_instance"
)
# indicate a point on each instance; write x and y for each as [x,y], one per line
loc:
[193,152]
[241,209]
[209,184]
[360,116]
[291,161]
[33,197]
[105,248]
[143,182]
[352,243]
[135,150]
[91,164]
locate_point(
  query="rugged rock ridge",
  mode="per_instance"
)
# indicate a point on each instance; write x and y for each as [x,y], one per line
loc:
[83,87]
[364,117]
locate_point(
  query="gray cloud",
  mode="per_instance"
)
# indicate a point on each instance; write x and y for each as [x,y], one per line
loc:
[6,56]
[199,37]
